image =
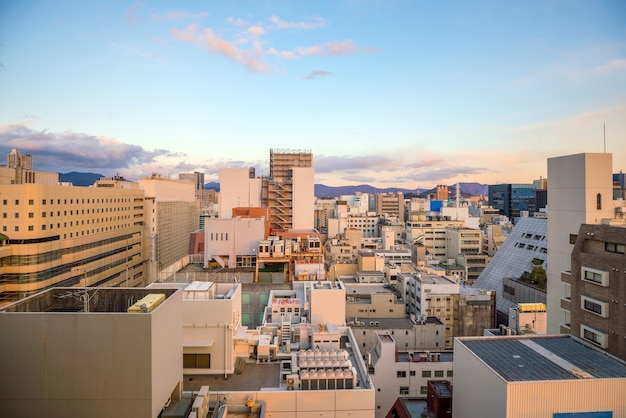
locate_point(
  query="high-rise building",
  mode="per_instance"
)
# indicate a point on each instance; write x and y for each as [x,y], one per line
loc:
[512,199]
[61,235]
[391,204]
[580,191]
[289,190]
[172,214]
[596,305]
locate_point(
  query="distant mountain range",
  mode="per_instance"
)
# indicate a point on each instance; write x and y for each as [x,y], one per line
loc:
[321,190]
[79,179]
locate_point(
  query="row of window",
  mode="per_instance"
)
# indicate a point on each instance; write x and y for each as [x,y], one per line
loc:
[34,259]
[425,373]
[78,201]
[44,227]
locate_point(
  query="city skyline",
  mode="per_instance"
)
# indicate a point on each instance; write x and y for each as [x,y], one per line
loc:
[392,94]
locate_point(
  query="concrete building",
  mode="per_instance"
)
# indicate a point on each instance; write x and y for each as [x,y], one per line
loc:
[596,304]
[19,170]
[211,321]
[172,215]
[73,352]
[541,376]
[391,204]
[373,300]
[580,190]
[238,188]
[289,189]
[233,242]
[529,318]
[464,246]
[409,333]
[431,234]
[396,372]
[463,310]
[61,235]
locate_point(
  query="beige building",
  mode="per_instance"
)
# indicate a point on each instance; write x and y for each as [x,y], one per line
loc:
[580,191]
[540,376]
[431,234]
[66,352]
[409,333]
[396,372]
[391,204]
[61,235]
[172,214]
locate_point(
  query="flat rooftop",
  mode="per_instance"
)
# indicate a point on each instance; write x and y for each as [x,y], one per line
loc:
[558,357]
[71,299]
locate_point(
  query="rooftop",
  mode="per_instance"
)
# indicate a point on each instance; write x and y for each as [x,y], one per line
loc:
[75,300]
[555,357]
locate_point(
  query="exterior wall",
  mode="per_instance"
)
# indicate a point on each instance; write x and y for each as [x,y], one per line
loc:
[487,399]
[429,336]
[589,253]
[164,189]
[176,221]
[309,404]
[237,189]
[328,303]
[377,305]
[90,364]
[574,181]
[391,204]
[230,238]
[390,375]
[303,198]
[66,236]
[566,396]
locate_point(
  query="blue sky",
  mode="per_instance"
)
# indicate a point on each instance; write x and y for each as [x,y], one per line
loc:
[390,93]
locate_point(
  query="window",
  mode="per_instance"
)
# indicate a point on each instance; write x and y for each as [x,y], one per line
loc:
[593,335]
[31,228]
[423,390]
[595,276]
[31,215]
[611,247]
[17,215]
[412,373]
[438,373]
[31,202]
[449,373]
[401,373]
[196,361]
[599,201]
[404,390]
[594,305]
[426,373]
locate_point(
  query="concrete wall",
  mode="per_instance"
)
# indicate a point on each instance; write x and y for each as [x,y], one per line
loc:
[303,200]
[90,364]
[573,184]
[237,189]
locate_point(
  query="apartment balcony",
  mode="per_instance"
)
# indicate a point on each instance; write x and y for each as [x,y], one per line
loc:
[566,277]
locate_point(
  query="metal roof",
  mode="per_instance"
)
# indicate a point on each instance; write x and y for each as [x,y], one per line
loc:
[560,357]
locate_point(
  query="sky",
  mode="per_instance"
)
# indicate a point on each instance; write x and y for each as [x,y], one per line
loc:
[388,93]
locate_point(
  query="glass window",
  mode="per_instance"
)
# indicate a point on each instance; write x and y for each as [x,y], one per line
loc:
[438,373]
[426,373]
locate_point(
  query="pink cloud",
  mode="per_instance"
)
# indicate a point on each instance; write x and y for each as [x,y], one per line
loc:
[335,49]
[316,22]
[283,54]
[255,30]
[250,59]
